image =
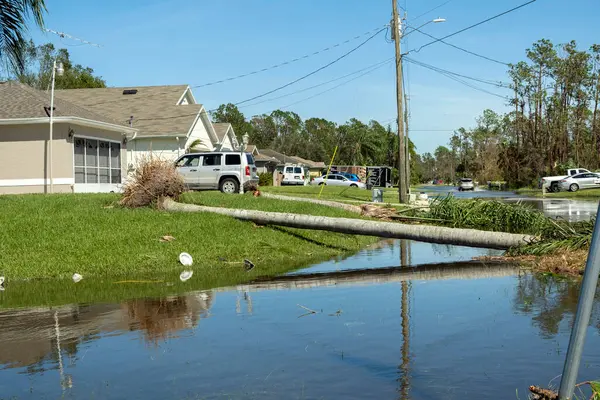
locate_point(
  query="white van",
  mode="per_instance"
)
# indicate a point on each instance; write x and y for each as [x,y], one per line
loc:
[293,174]
[217,170]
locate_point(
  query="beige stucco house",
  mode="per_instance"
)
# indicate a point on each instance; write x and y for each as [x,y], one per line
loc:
[89,150]
[167,118]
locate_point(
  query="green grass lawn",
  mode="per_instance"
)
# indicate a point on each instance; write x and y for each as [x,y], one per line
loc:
[54,236]
[580,194]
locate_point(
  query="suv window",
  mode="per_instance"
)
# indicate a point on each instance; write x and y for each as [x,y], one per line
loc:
[211,159]
[250,159]
[188,161]
[289,170]
[232,159]
[297,170]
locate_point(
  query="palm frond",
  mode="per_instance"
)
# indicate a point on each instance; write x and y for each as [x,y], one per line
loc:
[13,17]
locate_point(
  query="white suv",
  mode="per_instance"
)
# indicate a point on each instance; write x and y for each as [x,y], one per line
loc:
[466,184]
[223,170]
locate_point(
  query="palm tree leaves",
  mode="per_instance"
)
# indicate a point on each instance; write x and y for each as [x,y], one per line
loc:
[13,16]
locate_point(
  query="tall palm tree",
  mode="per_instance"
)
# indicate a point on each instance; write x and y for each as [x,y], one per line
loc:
[13,16]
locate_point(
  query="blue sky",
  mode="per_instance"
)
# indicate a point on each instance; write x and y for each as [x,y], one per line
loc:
[157,42]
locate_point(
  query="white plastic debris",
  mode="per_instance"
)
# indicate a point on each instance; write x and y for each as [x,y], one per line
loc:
[186,259]
[185,275]
[77,278]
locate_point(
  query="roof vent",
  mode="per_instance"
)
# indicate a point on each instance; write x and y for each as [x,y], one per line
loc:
[130,91]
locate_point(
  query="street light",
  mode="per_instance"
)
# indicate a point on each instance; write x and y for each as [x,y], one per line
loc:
[243,146]
[57,68]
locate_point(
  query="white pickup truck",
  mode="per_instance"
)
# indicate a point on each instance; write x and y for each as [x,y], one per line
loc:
[552,183]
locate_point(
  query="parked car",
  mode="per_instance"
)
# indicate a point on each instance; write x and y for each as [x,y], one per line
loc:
[466,184]
[222,170]
[293,175]
[552,183]
[588,180]
[336,180]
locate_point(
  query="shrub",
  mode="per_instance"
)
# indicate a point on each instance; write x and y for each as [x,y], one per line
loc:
[265,179]
[152,179]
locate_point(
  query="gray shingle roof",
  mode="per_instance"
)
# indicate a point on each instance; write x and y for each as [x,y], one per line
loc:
[221,129]
[291,159]
[21,101]
[154,108]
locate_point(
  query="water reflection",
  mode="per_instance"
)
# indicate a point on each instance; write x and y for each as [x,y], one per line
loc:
[445,331]
[552,303]
[37,339]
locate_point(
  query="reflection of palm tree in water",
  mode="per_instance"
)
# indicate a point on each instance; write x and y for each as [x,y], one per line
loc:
[161,318]
[550,301]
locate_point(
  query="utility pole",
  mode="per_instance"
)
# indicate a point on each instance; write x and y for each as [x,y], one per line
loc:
[397,33]
[407,147]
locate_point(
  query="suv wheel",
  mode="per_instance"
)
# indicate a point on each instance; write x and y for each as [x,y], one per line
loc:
[229,186]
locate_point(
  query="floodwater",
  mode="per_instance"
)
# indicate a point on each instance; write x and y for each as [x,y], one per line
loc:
[572,210]
[382,328]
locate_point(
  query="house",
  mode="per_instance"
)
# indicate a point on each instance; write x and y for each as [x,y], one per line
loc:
[88,151]
[167,118]
[226,137]
[315,167]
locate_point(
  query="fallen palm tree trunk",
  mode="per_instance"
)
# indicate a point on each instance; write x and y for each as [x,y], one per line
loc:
[422,233]
[347,207]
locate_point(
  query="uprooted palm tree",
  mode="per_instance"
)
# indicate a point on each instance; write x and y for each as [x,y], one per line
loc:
[13,17]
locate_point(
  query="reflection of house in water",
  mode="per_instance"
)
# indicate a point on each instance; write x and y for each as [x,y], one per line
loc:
[31,337]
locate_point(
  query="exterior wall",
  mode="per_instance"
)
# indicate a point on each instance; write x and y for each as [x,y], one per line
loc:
[227,145]
[24,156]
[199,132]
[165,148]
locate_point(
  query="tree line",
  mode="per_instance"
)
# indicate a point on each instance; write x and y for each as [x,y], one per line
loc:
[357,142]
[554,123]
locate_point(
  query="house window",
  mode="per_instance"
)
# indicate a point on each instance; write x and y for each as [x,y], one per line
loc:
[97,161]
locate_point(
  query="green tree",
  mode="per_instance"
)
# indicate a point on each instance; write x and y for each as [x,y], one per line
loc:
[231,114]
[13,17]
[37,71]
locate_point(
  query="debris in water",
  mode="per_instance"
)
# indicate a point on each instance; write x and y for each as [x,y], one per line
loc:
[186,259]
[77,277]
[166,238]
[538,393]
[337,313]
[185,275]
[307,309]
[249,265]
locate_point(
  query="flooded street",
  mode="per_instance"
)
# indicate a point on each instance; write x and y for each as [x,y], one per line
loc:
[376,330]
[572,210]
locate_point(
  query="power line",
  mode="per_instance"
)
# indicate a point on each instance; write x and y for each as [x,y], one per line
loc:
[318,85]
[460,48]
[369,69]
[66,35]
[472,26]
[314,71]
[337,86]
[437,69]
[432,10]
[290,61]
[450,75]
